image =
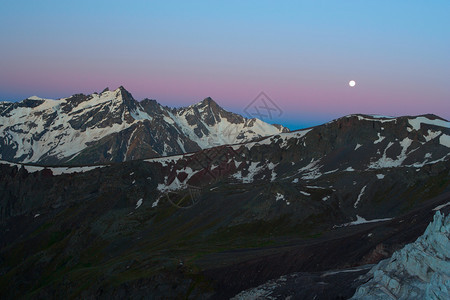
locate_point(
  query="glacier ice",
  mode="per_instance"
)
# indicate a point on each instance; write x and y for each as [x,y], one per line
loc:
[420,270]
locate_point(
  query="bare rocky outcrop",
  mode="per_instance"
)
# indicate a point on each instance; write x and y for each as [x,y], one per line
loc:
[420,270]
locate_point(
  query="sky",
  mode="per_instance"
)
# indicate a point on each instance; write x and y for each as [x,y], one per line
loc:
[301,54]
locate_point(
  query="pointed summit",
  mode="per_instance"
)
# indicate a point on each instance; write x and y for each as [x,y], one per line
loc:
[209,100]
[126,95]
[105,90]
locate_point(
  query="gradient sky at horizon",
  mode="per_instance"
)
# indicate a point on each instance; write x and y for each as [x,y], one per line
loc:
[302,54]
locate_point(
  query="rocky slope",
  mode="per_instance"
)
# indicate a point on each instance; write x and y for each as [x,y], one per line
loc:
[400,277]
[421,270]
[112,126]
[213,223]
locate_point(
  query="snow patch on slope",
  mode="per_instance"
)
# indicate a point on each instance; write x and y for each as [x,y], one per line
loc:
[55,170]
[283,137]
[387,162]
[380,138]
[378,118]
[445,140]
[279,196]
[431,135]
[418,121]
[139,203]
[176,184]
[312,170]
[441,206]
[253,169]
[165,161]
[360,220]
[359,196]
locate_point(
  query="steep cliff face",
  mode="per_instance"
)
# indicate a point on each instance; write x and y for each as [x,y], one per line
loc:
[420,270]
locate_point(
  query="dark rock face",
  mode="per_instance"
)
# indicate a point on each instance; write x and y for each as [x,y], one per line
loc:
[112,127]
[213,223]
[145,139]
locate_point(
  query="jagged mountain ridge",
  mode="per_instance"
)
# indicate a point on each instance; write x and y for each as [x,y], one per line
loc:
[113,126]
[353,143]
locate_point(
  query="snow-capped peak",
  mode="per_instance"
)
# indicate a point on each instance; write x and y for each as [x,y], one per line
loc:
[55,130]
[36,98]
[208,101]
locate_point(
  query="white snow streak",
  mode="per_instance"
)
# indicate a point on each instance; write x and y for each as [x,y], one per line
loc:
[139,203]
[441,206]
[359,196]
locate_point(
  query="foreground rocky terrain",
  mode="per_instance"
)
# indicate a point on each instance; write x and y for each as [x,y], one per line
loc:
[420,270]
[417,271]
[309,205]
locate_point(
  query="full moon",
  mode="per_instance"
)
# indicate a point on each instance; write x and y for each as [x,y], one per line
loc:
[352,83]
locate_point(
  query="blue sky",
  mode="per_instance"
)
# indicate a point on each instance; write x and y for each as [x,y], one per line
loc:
[301,53]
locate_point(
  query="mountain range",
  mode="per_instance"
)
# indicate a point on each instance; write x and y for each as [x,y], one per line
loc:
[301,213]
[113,127]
